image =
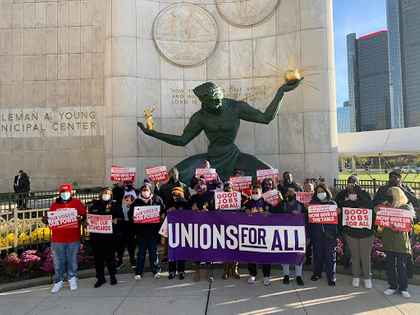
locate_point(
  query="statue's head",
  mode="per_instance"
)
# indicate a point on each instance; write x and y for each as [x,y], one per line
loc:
[211,97]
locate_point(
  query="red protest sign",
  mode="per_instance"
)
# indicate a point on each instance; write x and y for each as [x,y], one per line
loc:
[64,218]
[227,200]
[241,183]
[157,173]
[209,174]
[120,174]
[101,224]
[323,214]
[268,173]
[272,197]
[357,218]
[146,214]
[399,220]
[304,197]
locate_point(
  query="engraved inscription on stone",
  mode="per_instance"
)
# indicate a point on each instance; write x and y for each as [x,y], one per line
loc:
[246,12]
[185,34]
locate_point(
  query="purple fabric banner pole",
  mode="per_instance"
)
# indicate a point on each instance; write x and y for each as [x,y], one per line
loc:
[219,236]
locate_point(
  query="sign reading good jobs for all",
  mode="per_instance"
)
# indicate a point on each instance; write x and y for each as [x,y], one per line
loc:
[120,174]
[227,200]
[398,220]
[146,214]
[357,218]
[101,224]
[63,218]
[157,174]
[323,214]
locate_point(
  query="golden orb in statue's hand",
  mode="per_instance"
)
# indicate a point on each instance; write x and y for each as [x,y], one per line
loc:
[292,75]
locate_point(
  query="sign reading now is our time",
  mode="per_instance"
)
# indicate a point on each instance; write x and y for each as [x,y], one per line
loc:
[51,122]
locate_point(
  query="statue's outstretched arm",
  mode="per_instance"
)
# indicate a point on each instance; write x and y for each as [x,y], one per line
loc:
[249,113]
[191,130]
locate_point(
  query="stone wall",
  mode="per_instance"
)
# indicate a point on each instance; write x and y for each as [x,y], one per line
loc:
[51,91]
[248,62]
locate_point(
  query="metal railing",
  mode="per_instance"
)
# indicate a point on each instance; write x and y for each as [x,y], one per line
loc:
[372,185]
[21,216]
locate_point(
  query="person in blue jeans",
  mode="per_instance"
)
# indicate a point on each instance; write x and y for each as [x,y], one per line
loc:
[323,239]
[147,234]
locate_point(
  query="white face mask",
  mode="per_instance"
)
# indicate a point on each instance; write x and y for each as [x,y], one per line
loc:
[65,195]
[256,197]
[106,197]
[321,196]
[353,197]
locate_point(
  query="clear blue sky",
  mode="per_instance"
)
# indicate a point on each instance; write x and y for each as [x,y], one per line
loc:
[353,16]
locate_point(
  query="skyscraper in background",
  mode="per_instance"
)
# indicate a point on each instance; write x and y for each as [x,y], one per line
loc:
[404,59]
[369,92]
[345,118]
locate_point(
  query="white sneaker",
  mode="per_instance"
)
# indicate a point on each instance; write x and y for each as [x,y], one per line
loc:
[137,277]
[156,275]
[251,280]
[368,283]
[57,287]
[356,282]
[73,283]
[389,291]
[406,294]
[267,281]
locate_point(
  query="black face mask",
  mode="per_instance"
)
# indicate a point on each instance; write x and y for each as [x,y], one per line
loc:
[291,198]
[129,187]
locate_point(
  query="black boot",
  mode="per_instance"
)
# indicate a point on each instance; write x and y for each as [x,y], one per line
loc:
[113,280]
[99,283]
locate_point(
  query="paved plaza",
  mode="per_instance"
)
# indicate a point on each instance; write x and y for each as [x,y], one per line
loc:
[163,296]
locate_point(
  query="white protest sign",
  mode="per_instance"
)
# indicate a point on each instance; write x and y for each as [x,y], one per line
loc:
[101,224]
[227,200]
[146,214]
[63,218]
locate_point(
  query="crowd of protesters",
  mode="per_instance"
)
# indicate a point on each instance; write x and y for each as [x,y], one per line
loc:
[120,201]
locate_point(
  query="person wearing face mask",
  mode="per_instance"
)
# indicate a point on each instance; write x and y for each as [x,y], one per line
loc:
[103,244]
[178,202]
[291,206]
[257,205]
[125,230]
[397,245]
[230,269]
[267,185]
[288,182]
[395,180]
[147,235]
[129,187]
[65,242]
[359,241]
[323,239]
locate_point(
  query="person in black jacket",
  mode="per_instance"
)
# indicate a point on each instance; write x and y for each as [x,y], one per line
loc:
[178,202]
[147,234]
[103,244]
[395,180]
[359,240]
[291,206]
[323,239]
[288,182]
[22,186]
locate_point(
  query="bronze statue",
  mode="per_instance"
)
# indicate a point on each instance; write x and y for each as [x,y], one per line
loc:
[220,118]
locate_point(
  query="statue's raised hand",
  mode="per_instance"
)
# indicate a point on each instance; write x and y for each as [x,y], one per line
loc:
[287,87]
[143,128]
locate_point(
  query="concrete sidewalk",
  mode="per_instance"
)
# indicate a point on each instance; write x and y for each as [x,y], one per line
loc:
[163,296]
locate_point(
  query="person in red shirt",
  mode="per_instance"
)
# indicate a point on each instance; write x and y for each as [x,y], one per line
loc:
[64,217]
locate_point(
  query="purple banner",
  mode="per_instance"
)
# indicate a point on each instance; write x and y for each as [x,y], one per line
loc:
[235,236]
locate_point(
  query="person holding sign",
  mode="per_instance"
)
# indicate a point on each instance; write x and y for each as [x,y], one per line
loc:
[271,195]
[64,218]
[397,244]
[253,206]
[292,206]
[145,213]
[100,226]
[323,238]
[288,182]
[357,224]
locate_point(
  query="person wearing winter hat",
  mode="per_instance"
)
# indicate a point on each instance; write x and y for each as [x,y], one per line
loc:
[178,202]
[103,245]
[359,240]
[65,238]
[147,234]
